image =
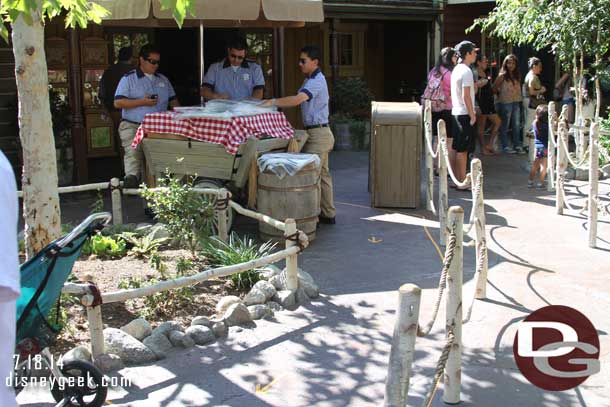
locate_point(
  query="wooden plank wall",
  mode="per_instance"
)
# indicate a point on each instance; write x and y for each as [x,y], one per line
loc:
[458,17]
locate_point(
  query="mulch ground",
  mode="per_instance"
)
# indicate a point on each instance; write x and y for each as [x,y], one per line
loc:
[109,274]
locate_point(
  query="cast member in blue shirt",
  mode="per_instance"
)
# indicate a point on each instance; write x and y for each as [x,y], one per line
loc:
[234,77]
[313,99]
[141,91]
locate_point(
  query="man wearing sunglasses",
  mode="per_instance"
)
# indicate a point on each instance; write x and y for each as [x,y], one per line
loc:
[234,77]
[313,99]
[141,91]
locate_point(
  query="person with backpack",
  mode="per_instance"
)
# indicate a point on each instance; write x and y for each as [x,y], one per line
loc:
[438,92]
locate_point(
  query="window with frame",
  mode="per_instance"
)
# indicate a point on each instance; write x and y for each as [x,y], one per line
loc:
[350,44]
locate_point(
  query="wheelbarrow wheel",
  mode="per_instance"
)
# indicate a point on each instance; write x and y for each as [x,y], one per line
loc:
[212,183]
[87,392]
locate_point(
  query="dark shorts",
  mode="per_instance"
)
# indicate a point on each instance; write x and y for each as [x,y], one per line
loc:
[463,134]
[447,117]
[542,152]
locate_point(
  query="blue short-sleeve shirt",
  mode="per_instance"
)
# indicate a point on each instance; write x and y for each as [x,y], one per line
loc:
[136,85]
[315,108]
[239,83]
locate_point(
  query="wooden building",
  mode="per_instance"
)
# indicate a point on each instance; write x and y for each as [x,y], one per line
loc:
[389,43]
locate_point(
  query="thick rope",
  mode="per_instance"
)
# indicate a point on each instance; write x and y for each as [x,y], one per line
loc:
[449,252]
[562,191]
[440,368]
[574,164]
[431,151]
[475,197]
[467,180]
[479,267]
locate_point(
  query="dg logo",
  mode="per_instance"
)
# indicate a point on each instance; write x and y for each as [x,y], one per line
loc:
[556,348]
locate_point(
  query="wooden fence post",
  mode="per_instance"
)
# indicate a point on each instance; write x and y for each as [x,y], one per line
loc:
[478,206]
[429,159]
[562,165]
[550,174]
[115,195]
[222,206]
[443,195]
[292,277]
[403,346]
[453,372]
[593,183]
[96,325]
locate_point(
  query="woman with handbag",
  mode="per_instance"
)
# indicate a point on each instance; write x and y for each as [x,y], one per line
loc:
[438,91]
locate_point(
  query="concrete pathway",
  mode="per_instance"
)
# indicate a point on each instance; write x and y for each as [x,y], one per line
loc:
[334,351]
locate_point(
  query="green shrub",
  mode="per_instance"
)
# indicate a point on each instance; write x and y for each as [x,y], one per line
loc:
[237,250]
[351,95]
[104,246]
[187,215]
[143,246]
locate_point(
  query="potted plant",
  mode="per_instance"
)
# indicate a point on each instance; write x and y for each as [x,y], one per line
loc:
[350,121]
[60,114]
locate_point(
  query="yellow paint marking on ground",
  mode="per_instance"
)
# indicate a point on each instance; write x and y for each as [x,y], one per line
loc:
[438,249]
[373,239]
[265,389]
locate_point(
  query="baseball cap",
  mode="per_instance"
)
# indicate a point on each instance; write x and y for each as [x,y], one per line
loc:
[464,48]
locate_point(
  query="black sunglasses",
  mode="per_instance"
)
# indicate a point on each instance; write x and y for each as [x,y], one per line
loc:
[238,57]
[152,61]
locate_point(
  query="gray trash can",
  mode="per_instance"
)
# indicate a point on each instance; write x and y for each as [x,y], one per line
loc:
[395,156]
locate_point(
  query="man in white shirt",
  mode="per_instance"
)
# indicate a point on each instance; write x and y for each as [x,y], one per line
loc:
[9,277]
[462,99]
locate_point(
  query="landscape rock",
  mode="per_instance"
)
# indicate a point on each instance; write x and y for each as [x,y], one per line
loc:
[138,328]
[202,335]
[166,327]
[127,347]
[265,287]
[274,306]
[300,296]
[219,329]
[255,296]
[268,271]
[78,353]
[285,298]
[237,314]
[606,170]
[159,344]
[159,231]
[205,321]
[259,311]
[108,362]
[225,302]
[278,281]
[310,288]
[143,227]
[180,339]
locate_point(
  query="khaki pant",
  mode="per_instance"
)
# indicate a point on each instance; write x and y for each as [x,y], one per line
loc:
[132,159]
[320,142]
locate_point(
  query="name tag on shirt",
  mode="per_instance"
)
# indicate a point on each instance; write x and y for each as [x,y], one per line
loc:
[246,77]
[161,85]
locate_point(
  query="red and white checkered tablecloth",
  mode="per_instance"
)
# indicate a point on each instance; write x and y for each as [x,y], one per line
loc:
[230,132]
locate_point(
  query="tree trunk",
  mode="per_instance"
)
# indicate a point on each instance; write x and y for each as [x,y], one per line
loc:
[39,183]
[598,87]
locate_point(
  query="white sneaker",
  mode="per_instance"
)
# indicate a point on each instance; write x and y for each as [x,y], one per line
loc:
[519,150]
[508,150]
[530,183]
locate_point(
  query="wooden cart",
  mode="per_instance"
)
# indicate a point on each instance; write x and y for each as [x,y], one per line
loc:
[210,162]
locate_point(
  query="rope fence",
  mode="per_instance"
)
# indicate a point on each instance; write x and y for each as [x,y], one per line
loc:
[295,242]
[407,327]
[474,179]
[588,160]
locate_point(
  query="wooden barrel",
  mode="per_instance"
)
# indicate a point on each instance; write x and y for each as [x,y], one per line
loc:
[293,197]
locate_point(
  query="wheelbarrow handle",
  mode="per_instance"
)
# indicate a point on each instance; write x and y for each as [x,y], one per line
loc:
[102,218]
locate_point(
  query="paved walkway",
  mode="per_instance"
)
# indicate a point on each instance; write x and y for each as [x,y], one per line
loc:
[334,351]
